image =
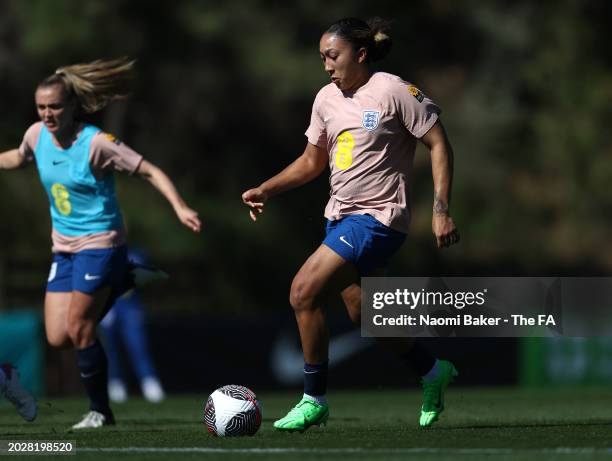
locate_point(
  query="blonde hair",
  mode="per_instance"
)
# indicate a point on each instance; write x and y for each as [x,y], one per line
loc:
[94,84]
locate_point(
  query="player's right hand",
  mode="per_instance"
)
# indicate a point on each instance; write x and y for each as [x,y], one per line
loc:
[255,199]
[444,230]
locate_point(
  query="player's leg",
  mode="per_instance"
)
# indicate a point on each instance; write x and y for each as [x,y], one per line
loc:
[134,334]
[400,347]
[96,275]
[83,316]
[323,273]
[56,319]
[110,328]
[11,389]
[435,374]
[55,312]
[57,301]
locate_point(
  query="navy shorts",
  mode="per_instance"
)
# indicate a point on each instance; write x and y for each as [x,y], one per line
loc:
[363,241]
[88,270]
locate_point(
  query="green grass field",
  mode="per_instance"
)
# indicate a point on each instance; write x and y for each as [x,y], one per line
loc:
[507,424]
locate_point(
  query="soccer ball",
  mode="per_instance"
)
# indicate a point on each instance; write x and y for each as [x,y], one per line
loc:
[232,411]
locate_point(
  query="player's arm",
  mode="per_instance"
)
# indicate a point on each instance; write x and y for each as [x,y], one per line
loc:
[11,160]
[442,224]
[166,187]
[304,169]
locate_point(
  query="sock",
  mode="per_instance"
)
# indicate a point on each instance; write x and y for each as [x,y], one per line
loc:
[433,373]
[315,379]
[94,372]
[419,359]
[2,378]
[320,399]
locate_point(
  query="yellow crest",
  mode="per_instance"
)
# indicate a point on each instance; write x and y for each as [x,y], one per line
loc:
[112,138]
[414,91]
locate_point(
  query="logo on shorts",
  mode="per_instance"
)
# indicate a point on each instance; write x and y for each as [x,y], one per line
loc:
[52,272]
[91,277]
[370,119]
[344,240]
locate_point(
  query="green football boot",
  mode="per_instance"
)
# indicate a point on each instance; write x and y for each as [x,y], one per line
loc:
[433,393]
[305,414]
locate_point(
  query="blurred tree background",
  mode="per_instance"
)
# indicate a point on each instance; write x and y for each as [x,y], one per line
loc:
[223,94]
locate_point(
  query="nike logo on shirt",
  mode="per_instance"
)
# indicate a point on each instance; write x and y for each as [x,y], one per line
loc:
[91,277]
[343,239]
[57,162]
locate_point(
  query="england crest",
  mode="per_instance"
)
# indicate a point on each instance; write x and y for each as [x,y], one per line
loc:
[370,119]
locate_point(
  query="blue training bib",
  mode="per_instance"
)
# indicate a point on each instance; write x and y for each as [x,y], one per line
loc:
[80,203]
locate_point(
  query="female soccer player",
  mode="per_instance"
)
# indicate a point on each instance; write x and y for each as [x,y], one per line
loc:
[76,162]
[365,125]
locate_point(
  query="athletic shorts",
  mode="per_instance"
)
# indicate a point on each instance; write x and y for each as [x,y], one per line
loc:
[88,270]
[363,241]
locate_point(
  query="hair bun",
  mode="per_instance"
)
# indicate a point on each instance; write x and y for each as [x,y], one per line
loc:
[381,34]
[374,35]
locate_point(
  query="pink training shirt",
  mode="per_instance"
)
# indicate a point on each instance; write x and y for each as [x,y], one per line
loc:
[371,136]
[107,154]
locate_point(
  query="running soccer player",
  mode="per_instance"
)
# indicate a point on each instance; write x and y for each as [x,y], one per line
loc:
[365,125]
[76,162]
[11,390]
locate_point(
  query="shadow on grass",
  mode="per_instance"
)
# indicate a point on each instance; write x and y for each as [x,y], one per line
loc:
[524,425]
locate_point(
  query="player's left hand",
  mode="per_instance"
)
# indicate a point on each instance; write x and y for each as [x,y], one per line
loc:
[255,199]
[189,218]
[444,230]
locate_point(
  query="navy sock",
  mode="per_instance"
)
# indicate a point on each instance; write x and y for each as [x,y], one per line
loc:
[94,374]
[419,359]
[315,379]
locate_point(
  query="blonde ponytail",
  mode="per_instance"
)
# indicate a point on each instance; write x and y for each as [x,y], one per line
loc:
[94,84]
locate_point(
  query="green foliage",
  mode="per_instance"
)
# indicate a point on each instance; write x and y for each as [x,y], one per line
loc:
[223,95]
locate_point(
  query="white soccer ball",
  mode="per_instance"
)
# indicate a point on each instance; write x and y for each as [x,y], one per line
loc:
[232,411]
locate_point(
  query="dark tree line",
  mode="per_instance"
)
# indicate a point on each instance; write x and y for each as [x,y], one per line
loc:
[222,98]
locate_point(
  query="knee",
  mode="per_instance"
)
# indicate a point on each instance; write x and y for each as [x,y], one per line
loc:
[81,333]
[57,335]
[301,297]
[59,341]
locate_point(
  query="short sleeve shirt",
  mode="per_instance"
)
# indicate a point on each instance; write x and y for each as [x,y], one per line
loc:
[107,154]
[371,136]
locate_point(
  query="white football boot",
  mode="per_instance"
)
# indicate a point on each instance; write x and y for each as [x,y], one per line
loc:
[117,392]
[94,420]
[152,390]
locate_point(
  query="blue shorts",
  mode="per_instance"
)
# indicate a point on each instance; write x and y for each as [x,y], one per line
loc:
[363,241]
[88,270]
